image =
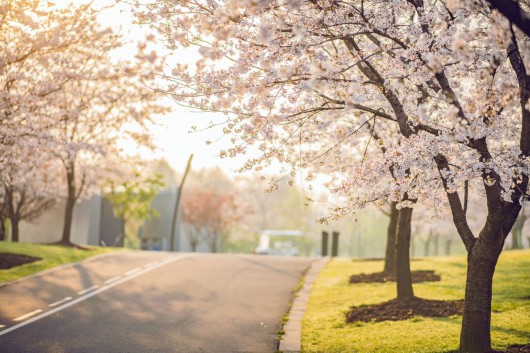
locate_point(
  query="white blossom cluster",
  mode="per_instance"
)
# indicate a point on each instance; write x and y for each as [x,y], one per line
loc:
[394,101]
[64,101]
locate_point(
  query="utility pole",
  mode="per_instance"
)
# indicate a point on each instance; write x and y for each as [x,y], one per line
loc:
[177,205]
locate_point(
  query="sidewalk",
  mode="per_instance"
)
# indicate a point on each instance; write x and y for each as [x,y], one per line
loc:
[291,341]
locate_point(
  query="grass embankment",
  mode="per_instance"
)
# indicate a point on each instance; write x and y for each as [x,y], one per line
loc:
[51,255]
[325,330]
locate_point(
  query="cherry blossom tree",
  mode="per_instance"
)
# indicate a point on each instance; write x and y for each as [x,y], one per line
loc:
[105,100]
[33,37]
[207,214]
[30,186]
[319,86]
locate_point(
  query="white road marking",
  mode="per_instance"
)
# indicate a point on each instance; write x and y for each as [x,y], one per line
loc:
[28,315]
[86,290]
[113,279]
[152,264]
[133,271]
[89,295]
[59,302]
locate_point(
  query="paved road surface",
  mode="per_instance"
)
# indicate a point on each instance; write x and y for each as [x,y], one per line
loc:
[152,302]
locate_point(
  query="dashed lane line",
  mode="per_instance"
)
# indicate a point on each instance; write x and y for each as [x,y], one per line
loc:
[113,279]
[86,290]
[28,315]
[59,302]
[89,295]
[152,264]
[133,271]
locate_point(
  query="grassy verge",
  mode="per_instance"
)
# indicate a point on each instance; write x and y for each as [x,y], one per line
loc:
[51,255]
[324,328]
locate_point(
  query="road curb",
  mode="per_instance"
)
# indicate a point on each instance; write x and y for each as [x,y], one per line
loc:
[291,341]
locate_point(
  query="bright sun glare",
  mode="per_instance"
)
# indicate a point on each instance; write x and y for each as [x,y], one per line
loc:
[171,134]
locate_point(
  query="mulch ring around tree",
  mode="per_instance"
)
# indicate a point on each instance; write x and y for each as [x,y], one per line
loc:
[403,309]
[11,260]
[381,277]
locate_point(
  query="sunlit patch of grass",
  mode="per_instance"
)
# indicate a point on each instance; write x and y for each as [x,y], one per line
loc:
[324,328]
[50,255]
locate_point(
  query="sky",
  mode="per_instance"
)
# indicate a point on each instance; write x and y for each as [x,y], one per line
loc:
[171,134]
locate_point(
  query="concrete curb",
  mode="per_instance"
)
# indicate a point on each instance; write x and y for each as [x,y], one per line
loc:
[291,341]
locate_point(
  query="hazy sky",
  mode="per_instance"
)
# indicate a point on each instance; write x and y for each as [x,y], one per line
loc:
[171,136]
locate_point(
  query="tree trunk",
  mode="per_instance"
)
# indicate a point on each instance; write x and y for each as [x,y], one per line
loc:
[517,238]
[427,245]
[2,229]
[12,213]
[517,231]
[15,230]
[390,254]
[213,243]
[448,244]
[403,275]
[436,239]
[475,336]
[69,208]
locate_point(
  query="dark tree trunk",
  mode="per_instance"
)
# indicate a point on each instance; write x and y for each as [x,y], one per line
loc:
[2,229]
[15,234]
[12,214]
[403,275]
[69,208]
[390,254]
[475,336]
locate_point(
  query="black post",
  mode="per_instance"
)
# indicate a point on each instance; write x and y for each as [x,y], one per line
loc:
[325,241]
[335,244]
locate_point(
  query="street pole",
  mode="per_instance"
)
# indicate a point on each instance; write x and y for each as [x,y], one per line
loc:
[177,205]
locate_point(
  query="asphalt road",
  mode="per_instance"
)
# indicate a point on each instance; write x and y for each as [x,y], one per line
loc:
[152,302]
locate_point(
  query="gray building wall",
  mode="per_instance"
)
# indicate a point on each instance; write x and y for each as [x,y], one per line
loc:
[92,217]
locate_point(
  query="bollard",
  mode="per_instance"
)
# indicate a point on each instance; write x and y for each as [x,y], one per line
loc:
[335,244]
[325,240]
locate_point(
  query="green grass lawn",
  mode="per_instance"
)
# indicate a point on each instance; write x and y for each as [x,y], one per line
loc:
[51,255]
[324,328]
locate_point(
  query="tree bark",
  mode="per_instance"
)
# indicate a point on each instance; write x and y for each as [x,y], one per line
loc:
[15,233]
[69,208]
[2,229]
[475,336]
[390,253]
[12,214]
[403,275]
